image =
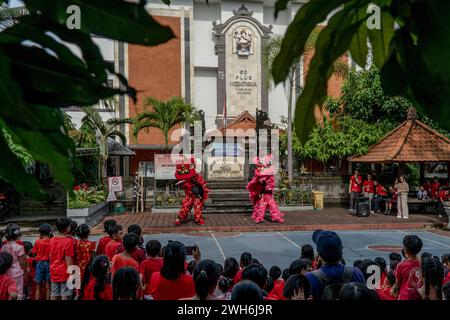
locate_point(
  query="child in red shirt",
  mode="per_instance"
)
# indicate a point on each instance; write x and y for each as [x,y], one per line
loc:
[152,264]
[278,284]
[116,235]
[138,253]
[107,225]
[8,289]
[62,252]
[96,284]
[84,249]
[28,282]
[407,272]
[41,253]
[245,261]
[121,260]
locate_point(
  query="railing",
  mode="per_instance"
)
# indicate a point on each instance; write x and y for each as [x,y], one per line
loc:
[168,199]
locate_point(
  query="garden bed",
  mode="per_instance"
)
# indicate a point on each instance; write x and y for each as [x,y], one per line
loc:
[90,215]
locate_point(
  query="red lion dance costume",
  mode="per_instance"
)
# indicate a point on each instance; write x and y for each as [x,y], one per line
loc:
[261,189]
[195,190]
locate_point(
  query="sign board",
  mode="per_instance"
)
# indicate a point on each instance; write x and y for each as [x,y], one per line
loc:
[165,165]
[115,184]
[111,197]
[226,168]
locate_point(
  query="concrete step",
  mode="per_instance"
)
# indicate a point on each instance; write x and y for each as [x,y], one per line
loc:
[227,210]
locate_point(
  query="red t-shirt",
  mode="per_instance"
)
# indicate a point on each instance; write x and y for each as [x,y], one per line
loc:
[446,279]
[238,276]
[355,185]
[443,195]
[84,251]
[164,289]
[105,294]
[120,261]
[407,273]
[148,267]
[60,248]
[380,190]
[368,186]
[41,249]
[111,247]
[434,188]
[137,254]
[102,244]
[7,286]
[278,287]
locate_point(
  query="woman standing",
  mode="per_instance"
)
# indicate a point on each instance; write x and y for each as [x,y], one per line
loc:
[402,202]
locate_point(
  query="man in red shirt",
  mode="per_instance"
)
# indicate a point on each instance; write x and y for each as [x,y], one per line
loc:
[380,196]
[369,190]
[354,188]
[434,188]
[62,252]
[107,225]
[442,197]
[116,235]
[152,264]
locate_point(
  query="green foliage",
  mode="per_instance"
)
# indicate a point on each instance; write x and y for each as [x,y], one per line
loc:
[81,199]
[412,57]
[36,81]
[164,115]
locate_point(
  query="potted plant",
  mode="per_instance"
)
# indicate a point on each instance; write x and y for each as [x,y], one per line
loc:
[86,204]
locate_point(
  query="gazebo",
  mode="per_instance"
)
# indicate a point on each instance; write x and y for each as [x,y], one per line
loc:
[411,142]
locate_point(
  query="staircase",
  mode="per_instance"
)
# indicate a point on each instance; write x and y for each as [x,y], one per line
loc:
[228,197]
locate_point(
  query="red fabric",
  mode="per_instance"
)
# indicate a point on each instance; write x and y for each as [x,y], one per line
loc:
[7,286]
[443,195]
[278,287]
[368,186]
[164,289]
[407,273]
[446,279]
[137,254]
[105,294]
[84,250]
[41,249]
[102,245]
[380,190]
[355,184]
[238,276]
[434,189]
[17,241]
[147,268]
[190,200]
[60,248]
[120,261]
[111,247]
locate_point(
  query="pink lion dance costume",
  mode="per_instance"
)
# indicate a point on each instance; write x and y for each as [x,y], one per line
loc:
[195,191]
[261,189]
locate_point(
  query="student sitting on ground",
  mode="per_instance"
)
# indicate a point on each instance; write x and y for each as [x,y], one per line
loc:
[278,283]
[245,261]
[206,275]
[246,291]
[356,291]
[126,284]
[297,287]
[432,275]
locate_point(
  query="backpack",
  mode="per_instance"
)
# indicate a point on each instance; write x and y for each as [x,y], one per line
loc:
[333,286]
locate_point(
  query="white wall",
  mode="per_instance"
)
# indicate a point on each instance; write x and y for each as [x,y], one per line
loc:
[205,98]
[202,34]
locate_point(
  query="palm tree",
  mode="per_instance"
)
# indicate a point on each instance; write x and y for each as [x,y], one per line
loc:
[270,52]
[164,116]
[92,124]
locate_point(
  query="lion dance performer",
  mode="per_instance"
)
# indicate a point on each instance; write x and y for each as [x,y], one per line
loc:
[195,191]
[261,189]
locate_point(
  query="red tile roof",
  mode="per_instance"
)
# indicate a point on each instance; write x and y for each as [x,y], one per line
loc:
[412,141]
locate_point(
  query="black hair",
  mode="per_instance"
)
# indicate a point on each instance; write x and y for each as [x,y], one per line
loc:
[381,262]
[246,291]
[307,252]
[357,291]
[107,224]
[254,260]
[73,227]
[130,241]
[395,256]
[83,231]
[12,232]
[275,273]
[446,291]
[246,259]
[45,230]
[125,284]
[358,264]
[425,255]
[114,229]
[153,248]
[206,274]
[98,268]
[6,260]
[269,285]
[224,284]
[62,223]
[391,278]
[174,257]
[413,244]
[299,265]
[433,276]
[135,228]
[28,246]
[191,266]
[286,274]
[256,273]
[230,267]
[294,283]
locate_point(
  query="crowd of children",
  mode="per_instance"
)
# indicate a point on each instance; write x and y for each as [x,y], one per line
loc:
[67,265]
